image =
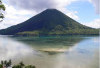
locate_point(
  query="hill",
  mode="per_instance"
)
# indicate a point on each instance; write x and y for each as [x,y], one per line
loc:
[49,22]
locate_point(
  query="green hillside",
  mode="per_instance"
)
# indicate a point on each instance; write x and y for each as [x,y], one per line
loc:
[50,22]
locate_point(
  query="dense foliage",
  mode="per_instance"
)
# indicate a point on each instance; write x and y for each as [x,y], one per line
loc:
[2,7]
[6,64]
[49,22]
[68,32]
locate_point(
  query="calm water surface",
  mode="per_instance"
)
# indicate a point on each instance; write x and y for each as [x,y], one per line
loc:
[52,52]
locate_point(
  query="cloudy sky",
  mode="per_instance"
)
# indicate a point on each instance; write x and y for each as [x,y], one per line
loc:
[84,11]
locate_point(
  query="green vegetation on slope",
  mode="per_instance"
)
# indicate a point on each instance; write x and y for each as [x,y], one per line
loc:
[68,32]
[49,22]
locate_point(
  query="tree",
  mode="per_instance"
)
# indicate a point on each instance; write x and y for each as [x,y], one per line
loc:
[30,66]
[2,8]
[2,62]
[1,66]
[21,64]
[5,62]
[8,63]
[17,66]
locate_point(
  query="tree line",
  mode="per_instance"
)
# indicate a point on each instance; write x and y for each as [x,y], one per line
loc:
[8,64]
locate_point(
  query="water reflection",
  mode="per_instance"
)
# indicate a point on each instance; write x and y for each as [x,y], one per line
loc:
[9,48]
[51,44]
[52,52]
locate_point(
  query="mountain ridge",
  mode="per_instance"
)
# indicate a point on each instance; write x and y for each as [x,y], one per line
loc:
[50,21]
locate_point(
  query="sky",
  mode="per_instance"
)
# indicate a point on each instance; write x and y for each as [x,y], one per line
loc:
[86,12]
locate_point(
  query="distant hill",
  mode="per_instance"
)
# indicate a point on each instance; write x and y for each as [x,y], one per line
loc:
[50,22]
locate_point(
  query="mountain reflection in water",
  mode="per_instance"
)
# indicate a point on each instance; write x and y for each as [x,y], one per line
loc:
[52,52]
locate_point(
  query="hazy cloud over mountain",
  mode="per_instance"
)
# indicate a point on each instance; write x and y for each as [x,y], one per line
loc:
[40,4]
[94,23]
[96,4]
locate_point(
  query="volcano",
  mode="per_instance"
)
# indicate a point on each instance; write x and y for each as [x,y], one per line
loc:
[49,22]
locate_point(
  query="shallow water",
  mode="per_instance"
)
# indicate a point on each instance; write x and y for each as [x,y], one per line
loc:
[52,52]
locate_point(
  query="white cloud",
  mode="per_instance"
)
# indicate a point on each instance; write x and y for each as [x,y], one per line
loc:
[38,5]
[72,14]
[96,4]
[18,11]
[13,16]
[95,23]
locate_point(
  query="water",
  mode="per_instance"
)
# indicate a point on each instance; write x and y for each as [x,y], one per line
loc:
[52,52]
